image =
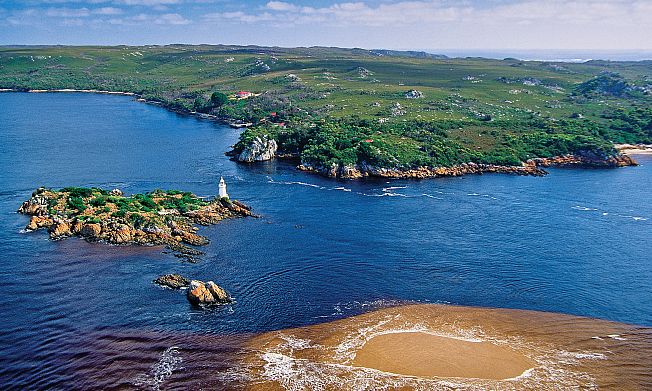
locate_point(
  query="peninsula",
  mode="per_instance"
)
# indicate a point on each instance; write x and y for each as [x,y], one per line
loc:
[353,113]
[156,218]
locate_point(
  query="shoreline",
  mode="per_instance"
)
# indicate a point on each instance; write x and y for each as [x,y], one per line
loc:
[138,97]
[64,90]
[532,167]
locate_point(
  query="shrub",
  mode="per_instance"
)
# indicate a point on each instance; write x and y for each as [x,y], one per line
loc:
[218,99]
[76,203]
[98,201]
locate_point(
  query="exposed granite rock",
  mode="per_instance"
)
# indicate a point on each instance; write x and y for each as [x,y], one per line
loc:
[37,222]
[207,293]
[397,110]
[91,231]
[414,94]
[59,229]
[174,281]
[366,170]
[260,149]
[532,167]
[586,159]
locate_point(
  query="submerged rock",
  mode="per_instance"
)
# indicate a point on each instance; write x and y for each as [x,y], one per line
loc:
[260,149]
[174,281]
[207,293]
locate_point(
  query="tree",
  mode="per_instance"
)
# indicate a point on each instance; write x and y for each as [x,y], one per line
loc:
[219,99]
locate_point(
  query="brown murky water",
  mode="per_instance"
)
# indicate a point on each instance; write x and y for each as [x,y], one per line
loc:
[409,347]
[547,351]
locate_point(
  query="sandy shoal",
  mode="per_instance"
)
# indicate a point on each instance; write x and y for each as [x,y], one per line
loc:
[441,347]
[427,355]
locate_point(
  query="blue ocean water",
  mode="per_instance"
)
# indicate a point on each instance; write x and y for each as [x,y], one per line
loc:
[575,241]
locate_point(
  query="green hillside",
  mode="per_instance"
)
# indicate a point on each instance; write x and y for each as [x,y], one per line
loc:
[352,106]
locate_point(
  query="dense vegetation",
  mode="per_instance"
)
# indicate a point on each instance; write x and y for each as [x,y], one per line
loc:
[140,210]
[385,108]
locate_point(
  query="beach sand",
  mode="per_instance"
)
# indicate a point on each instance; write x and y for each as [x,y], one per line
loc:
[634,149]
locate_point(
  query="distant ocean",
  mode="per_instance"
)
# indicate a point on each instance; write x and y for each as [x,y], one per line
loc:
[550,55]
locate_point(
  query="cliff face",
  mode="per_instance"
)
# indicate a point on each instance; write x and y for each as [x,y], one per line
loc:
[260,149]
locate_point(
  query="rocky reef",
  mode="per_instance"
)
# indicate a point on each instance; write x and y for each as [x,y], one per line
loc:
[155,218]
[260,149]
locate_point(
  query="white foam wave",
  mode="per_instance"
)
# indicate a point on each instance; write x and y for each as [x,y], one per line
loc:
[294,343]
[388,189]
[583,208]
[163,369]
[297,183]
[384,195]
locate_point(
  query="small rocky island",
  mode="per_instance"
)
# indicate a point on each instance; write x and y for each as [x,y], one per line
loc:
[198,292]
[155,218]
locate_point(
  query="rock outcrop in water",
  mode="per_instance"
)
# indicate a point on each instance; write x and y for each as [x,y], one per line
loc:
[156,218]
[260,149]
[173,281]
[207,293]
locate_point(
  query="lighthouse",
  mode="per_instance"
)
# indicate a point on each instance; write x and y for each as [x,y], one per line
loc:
[222,189]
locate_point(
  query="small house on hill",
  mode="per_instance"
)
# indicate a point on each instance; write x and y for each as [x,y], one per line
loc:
[243,94]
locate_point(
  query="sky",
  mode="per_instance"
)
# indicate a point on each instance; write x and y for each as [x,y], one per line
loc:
[401,24]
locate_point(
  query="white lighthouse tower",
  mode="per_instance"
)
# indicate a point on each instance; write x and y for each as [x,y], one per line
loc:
[222,189]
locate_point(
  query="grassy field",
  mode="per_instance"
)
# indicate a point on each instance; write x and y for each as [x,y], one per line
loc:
[350,106]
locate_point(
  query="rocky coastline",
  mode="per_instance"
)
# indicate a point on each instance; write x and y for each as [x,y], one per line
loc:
[364,170]
[264,148]
[158,218]
[532,167]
